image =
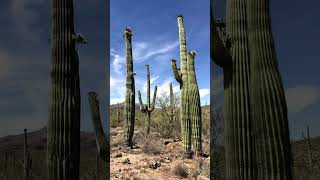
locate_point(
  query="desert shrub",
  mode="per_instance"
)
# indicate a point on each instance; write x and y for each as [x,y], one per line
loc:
[150,144]
[180,170]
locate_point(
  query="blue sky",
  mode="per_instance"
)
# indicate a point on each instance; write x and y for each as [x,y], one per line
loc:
[155,42]
[25,57]
[296,33]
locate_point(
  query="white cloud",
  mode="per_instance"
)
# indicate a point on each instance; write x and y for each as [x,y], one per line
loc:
[300,97]
[204,92]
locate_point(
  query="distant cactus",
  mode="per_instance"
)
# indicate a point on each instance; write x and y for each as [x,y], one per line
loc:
[118,113]
[148,107]
[268,98]
[194,104]
[64,116]
[230,50]
[101,139]
[181,75]
[129,105]
[27,160]
[172,107]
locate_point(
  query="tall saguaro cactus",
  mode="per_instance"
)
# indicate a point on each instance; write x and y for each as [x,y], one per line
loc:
[148,107]
[181,75]
[269,104]
[129,105]
[230,50]
[102,141]
[64,116]
[194,104]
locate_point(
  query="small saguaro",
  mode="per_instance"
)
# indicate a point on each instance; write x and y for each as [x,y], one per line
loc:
[148,107]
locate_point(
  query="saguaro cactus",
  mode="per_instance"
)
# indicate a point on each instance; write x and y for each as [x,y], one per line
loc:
[230,50]
[172,107]
[129,105]
[182,77]
[269,104]
[194,104]
[148,108]
[64,116]
[118,113]
[101,139]
[27,160]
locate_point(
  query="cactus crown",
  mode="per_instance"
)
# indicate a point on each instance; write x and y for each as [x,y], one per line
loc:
[193,53]
[180,16]
[128,31]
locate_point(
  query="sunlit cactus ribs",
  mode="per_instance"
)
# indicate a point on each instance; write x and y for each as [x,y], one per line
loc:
[129,105]
[64,114]
[268,102]
[194,104]
[230,50]
[102,141]
[148,107]
[181,75]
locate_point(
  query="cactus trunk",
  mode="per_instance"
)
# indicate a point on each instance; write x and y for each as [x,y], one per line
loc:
[64,116]
[194,103]
[27,161]
[182,77]
[102,141]
[231,52]
[270,110]
[172,105]
[148,108]
[129,105]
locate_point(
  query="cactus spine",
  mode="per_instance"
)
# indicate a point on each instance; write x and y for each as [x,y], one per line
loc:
[148,108]
[64,116]
[269,104]
[101,139]
[230,48]
[194,104]
[129,105]
[182,77]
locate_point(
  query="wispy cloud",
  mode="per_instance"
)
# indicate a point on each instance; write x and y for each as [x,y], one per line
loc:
[301,97]
[204,92]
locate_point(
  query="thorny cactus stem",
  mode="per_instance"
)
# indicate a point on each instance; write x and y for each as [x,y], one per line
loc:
[102,141]
[182,77]
[148,108]
[129,105]
[118,113]
[194,104]
[230,50]
[64,116]
[273,147]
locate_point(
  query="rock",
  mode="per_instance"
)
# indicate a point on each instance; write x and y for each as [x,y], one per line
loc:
[117,155]
[126,161]
[154,165]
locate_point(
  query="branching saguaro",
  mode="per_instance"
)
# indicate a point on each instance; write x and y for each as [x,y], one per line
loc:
[148,107]
[181,75]
[194,104]
[64,116]
[129,105]
[190,107]
[102,141]
[270,110]
[230,50]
